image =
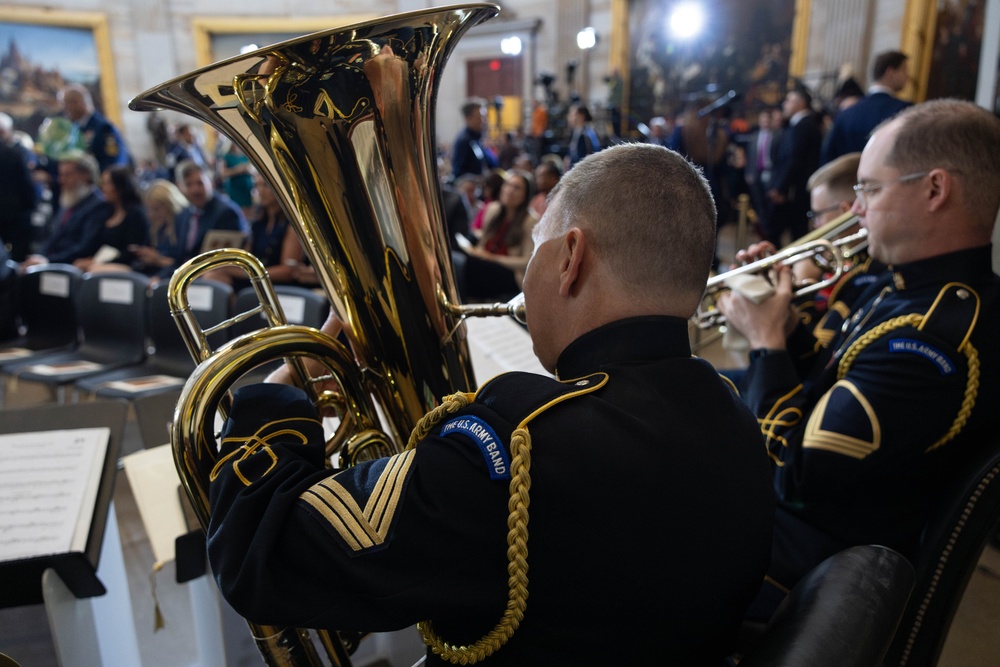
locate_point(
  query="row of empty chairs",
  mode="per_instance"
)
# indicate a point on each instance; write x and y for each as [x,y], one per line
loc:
[112,334]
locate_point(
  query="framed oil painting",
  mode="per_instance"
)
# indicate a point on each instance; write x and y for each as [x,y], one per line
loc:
[41,51]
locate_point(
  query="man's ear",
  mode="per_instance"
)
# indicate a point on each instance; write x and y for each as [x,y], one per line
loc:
[571,260]
[941,188]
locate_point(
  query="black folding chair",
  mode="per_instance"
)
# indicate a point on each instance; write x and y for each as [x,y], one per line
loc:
[169,363]
[950,546]
[46,304]
[112,316]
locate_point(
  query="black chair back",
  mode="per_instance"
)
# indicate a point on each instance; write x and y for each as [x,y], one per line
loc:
[300,305]
[950,547]
[841,614]
[47,295]
[112,313]
[210,301]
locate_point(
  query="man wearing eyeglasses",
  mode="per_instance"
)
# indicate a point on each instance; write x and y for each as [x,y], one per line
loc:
[868,436]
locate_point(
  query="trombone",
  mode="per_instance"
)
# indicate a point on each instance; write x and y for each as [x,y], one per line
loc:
[822,246]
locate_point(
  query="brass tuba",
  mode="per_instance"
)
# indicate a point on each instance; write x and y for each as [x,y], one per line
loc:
[340,123]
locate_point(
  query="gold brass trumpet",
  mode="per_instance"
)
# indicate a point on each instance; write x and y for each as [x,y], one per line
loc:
[821,246]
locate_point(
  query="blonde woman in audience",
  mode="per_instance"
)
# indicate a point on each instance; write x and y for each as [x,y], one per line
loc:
[163,202]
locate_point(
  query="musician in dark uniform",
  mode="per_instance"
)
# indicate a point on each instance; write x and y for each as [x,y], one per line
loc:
[865,443]
[646,527]
[831,197]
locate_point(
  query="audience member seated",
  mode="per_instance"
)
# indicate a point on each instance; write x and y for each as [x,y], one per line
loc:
[547,175]
[127,227]
[236,174]
[273,241]
[208,211]
[488,194]
[183,147]
[76,227]
[163,203]
[496,263]
[868,438]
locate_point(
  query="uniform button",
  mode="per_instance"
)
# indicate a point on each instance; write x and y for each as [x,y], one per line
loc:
[582,383]
[962,294]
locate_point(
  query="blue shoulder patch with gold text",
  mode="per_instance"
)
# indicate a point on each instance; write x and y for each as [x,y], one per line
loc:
[497,459]
[944,364]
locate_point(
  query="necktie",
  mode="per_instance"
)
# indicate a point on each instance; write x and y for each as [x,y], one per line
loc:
[193,230]
[762,151]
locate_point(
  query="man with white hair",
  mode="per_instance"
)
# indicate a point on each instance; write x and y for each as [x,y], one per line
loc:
[75,229]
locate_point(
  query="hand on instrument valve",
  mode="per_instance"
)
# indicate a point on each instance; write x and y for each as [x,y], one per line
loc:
[753,253]
[767,324]
[285,375]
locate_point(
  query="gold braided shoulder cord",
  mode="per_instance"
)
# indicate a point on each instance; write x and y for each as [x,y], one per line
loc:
[517,542]
[970,352]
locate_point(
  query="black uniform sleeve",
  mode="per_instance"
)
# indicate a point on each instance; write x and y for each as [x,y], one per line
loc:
[888,405]
[376,547]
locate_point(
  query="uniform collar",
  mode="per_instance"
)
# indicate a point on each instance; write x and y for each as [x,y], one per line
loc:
[971,265]
[637,339]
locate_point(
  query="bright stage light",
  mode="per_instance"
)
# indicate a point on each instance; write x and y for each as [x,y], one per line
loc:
[687,20]
[586,38]
[511,46]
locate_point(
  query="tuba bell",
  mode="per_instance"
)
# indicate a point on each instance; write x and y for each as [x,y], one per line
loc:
[340,123]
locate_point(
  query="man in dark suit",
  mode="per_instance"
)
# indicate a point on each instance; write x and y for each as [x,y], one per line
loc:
[17,194]
[853,125]
[759,169]
[467,154]
[796,159]
[76,227]
[208,211]
[99,137]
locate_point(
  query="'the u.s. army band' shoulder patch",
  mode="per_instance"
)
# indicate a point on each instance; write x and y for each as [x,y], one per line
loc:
[497,459]
[945,365]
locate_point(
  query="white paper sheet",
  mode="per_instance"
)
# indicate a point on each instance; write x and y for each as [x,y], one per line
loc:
[48,487]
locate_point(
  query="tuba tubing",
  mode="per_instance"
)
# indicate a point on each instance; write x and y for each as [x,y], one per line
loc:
[340,124]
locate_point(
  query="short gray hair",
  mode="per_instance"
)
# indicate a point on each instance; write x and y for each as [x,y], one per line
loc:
[649,214]
[957,136]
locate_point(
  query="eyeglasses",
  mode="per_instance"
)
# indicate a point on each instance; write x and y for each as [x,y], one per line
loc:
[816,215]
[864,191]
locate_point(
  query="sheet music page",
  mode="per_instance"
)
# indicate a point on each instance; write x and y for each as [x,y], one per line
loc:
[48,487]
[499,345]
[153,478]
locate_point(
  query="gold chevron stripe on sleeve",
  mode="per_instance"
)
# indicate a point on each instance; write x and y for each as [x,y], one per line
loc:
[858,448]
[367,527]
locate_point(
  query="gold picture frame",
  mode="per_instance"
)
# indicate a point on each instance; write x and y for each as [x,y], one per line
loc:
[208,28]
[56,29]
